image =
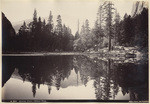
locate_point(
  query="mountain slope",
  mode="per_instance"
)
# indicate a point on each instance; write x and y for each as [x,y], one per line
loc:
[7,33]
[138,7]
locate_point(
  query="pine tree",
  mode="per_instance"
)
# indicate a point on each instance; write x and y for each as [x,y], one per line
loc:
[100,22]
[43,26]
[23,29]
[117,28]
[59,25]
[87,28]
[50,23]
[35,16]
[77,35]
[34,23]
[96,35]
[82,29]
[50,19]
[39,26]
[101,16]
[109,22]
[128,31]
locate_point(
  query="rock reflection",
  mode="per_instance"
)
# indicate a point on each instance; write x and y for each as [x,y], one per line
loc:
[108,75]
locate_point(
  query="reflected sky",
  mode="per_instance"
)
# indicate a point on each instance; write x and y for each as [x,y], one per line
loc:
[24,91]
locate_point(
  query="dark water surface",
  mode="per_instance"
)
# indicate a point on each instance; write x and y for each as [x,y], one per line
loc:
[73,78]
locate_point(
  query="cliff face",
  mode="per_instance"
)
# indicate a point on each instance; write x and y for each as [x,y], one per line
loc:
[7,33]
[138,7]
[7,27]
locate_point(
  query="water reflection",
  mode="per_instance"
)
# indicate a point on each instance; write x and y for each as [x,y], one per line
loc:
[108,77]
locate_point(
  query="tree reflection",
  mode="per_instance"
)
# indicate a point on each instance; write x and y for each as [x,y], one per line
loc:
[49,89]
[108,75]
[7,69]
[41,70]
[34,89]
[133,79]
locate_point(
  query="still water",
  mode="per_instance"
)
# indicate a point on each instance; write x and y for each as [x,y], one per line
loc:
[74,78]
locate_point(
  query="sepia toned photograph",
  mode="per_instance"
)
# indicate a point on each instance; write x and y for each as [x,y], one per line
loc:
[75,51]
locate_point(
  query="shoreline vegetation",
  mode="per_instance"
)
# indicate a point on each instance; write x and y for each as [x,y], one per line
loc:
[122,56]
[99,53]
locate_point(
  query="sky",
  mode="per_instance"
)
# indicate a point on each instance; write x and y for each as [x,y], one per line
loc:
[70,10]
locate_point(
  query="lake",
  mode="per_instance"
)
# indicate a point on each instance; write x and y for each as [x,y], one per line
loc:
[74,78]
